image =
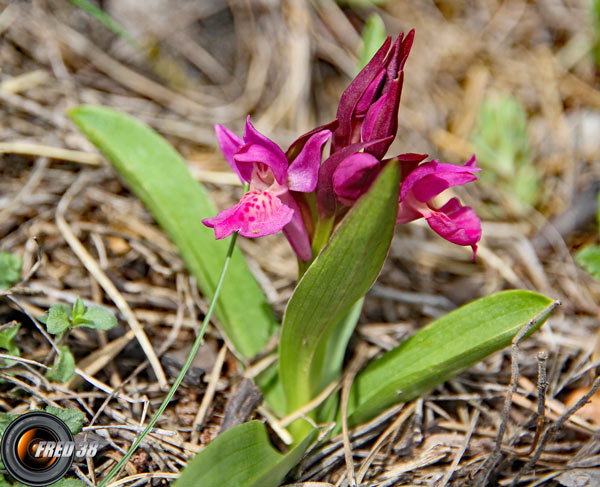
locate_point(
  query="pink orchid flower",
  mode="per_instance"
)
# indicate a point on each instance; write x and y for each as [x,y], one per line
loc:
[454,222]
[269,206]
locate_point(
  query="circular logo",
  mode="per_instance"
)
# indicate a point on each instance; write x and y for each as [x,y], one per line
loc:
[37,449]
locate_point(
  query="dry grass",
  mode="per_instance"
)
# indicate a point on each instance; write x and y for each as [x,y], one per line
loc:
[286,64]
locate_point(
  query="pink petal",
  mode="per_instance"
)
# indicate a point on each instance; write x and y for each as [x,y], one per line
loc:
[368,125]
[456,223]
[406,213]
[304,170]
[296,146]
[230,143]
[326,201]
[251,154]
[295,230]
[397,57]
[256,215]
[261,146]
[353,177]
[430,179]
[382,118]
[369,94]
[353,94]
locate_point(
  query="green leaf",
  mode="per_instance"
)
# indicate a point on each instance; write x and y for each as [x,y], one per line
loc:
[5,420]
[373,36]
[59,318]
[70,482]
[340,275]
[105,19]
[160,178]
[7,342]
[442,349]
[73,418]
[335,351]
[10,269]
[589,258]
[7,336]
[64,366]
[78,310]
[242,456]
[98,318]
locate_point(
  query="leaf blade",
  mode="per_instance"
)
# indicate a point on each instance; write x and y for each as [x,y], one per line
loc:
[98,318]
[242,456]
[58,319]
[439,351]
[353,257]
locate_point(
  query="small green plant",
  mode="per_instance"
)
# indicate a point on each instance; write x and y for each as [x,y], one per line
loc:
[7,341]
[60,319]
[10,269]
[588,257]
[502,145]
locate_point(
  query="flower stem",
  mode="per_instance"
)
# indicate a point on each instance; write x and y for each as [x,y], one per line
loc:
[322,234]
[181,375]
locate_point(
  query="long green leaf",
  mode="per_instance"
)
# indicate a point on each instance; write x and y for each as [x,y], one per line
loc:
[159,177]
[341,274]
[242,456]
[443,349]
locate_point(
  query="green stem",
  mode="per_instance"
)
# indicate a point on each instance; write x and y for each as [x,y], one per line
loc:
[181,375]
[322,234]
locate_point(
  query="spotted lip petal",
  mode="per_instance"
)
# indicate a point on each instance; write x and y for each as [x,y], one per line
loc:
[256,215]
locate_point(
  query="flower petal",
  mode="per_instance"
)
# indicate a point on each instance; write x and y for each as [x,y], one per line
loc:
[296,146]
[353,177]
[456,223]
[353,94]
[251,154]
[256,215]
[229,143]
[262,149]
[369,95]
[431,178]
[295,230]
[326,202]
[304,170]
[382,118]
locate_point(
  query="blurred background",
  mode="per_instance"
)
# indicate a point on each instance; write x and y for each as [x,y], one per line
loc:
[515,82]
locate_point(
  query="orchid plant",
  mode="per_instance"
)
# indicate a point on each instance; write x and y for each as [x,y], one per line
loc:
[337,198]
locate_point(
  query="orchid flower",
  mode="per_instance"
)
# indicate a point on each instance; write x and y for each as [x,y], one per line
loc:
[270,205]
[454,222]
